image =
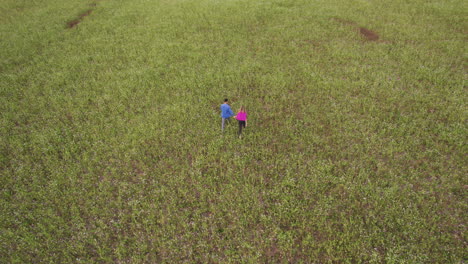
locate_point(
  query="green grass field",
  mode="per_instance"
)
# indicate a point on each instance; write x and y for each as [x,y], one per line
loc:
[111,143]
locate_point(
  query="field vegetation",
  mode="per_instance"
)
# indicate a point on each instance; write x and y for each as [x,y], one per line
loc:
[111,148]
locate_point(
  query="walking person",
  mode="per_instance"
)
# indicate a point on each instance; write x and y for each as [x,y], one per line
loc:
[226,113]
[242,119]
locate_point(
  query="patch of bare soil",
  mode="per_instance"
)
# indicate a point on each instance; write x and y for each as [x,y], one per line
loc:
[73,23]
[368,34]
[76,21]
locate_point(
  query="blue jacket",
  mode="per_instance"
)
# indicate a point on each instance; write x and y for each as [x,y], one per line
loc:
[226,111]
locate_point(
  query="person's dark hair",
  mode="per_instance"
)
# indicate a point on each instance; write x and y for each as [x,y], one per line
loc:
[225,100]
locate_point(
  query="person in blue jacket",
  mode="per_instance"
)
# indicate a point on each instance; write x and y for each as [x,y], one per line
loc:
[226,113]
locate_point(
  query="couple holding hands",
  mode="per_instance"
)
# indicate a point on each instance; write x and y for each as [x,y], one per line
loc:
[226,114]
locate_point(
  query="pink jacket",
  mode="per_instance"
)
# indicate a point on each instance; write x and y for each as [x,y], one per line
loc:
[241,116]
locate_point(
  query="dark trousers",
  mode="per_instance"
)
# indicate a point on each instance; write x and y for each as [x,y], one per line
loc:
[241,125]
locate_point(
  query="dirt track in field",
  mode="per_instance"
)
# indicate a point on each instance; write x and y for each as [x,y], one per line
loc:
[73,23]
[367,34]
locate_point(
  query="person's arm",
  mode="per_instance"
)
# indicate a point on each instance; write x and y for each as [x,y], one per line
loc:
[232,113]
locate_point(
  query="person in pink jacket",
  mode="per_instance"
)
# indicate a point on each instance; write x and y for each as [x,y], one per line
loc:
[242,119]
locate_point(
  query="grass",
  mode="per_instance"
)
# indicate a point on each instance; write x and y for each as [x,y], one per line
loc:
[111,146]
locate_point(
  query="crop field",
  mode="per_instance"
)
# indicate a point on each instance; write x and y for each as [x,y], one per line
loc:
[111,148]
